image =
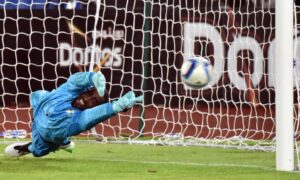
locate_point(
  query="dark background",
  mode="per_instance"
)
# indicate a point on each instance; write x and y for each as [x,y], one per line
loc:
[30,38]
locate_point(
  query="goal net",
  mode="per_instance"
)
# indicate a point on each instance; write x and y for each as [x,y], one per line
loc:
[43,43]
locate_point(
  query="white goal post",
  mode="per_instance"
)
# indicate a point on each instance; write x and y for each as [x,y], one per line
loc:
[284,14]
[141,45]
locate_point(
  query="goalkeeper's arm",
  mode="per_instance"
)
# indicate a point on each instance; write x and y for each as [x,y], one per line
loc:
[79,82]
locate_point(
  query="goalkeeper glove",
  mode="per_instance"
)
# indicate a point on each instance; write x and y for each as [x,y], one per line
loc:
[99,83]
[125,102]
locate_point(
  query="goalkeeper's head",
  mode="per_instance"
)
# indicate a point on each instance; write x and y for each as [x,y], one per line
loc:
[89,99]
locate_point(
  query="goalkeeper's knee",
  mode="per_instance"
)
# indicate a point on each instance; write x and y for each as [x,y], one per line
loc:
[125,102]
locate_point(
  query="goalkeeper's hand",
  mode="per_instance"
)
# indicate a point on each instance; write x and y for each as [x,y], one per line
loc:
[99,83]
[127,101]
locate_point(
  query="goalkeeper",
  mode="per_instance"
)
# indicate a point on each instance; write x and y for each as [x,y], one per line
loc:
[67,111]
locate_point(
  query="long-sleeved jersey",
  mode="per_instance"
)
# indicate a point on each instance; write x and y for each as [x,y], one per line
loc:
[55,120]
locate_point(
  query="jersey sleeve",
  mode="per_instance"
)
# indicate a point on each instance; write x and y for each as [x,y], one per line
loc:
[80,80]
[76,84]
[89,118]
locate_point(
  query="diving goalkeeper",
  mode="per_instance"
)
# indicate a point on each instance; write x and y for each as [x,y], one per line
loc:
[74,107]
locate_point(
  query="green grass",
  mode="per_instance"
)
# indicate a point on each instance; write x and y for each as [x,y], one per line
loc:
[121,161]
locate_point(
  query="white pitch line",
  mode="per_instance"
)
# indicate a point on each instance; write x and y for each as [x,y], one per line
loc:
[181,163]
[189,164]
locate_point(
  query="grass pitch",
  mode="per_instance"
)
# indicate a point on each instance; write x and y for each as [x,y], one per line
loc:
[122,161]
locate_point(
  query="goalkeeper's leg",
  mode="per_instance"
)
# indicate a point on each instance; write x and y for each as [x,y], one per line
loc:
[17,149]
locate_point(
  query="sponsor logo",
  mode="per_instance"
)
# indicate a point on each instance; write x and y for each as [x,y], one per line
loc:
[193,31]
[69,55]
[21,133]
[83,56]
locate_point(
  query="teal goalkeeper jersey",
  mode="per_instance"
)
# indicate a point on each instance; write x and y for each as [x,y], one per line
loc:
[54,117]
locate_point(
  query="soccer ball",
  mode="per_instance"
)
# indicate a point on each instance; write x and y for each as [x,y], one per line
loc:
[196,72]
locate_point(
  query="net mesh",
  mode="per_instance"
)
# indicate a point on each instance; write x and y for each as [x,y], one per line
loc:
[43,43]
